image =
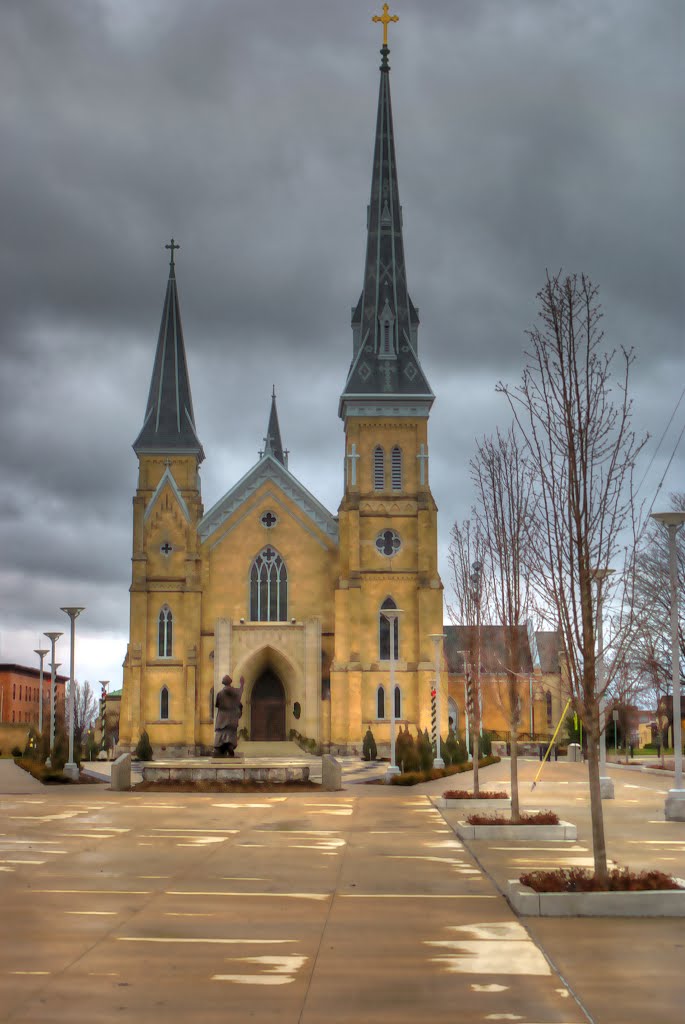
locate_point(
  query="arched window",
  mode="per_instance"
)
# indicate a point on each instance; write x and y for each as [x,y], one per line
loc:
[396,468]
[165,632]
[268,588]
[378,468]
[548,702]
[164,703]
[380,702]
[384,633]
[398,702]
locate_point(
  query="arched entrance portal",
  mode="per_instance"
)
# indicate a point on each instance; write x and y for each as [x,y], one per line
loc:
[267,708]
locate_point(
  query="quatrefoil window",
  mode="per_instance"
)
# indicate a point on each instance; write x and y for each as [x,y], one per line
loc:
[388,543]
[268,520]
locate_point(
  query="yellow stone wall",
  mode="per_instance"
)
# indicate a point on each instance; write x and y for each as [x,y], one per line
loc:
[335,592]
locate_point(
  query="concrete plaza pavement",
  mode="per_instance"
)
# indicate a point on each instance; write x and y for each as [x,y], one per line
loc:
[322,907]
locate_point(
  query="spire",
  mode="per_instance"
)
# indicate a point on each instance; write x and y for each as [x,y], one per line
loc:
[385,321]
[169,424]
[272,442]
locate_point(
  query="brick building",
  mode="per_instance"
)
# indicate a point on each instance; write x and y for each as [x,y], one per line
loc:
[19,695]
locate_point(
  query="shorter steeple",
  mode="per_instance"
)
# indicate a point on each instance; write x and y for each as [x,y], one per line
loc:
[169,424]
[272,442]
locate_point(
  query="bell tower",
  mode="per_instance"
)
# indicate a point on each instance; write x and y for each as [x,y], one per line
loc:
[160,667]
[388,517]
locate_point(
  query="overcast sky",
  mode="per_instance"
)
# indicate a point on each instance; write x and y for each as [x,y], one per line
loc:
[530,134]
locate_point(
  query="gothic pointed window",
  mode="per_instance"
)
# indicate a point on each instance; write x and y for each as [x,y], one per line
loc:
[165,640]
[268,587]
[378,468]
[396,468]
[398,702]
[384,633]
[164,703]
[380,702]
[548,702]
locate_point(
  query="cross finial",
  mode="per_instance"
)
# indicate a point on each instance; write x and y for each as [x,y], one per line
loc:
[172,245]
[385,20]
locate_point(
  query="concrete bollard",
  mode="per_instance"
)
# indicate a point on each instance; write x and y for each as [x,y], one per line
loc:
[121,773]
[331,773]
[573,752]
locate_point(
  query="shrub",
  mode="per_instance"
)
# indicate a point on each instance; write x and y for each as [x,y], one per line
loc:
[425,751]
[444,752]
[538,818]
[406,751]
[144,747]
[17,751]
[581,880]
[456,748]
[465,794]
[369,749]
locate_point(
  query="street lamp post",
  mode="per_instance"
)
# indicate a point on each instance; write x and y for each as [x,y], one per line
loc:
[392,615]
[674,808]
[71,768]
[41,652]
[606,783]
[53,638]
[438,639]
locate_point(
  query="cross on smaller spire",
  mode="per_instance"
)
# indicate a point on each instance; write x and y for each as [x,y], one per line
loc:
[172,245]
[385,20]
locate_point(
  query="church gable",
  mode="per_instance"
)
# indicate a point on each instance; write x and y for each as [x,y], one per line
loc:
[269,471]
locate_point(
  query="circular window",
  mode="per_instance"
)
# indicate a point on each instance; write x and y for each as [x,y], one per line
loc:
[268,519]
[388,543]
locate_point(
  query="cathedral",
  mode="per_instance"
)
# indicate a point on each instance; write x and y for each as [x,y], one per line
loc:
[268,584]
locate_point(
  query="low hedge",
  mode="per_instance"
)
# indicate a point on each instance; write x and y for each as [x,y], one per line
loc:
[414,778]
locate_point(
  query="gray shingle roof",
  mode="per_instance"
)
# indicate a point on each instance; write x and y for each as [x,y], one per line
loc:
[169,424]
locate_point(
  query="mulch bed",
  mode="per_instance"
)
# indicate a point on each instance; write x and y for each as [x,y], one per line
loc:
[582,880]
[53,776]
[464,794]
[204,786]
[538,818]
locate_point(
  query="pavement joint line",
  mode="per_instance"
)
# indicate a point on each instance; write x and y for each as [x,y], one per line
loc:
[315,959]
[581,1005]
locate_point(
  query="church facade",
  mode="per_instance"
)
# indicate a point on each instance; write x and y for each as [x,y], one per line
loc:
[270,585]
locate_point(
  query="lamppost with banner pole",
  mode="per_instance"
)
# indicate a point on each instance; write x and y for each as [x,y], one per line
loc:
[53,638]
[392,615]
[41,652]
[438,640]
[674,809]
[71,768]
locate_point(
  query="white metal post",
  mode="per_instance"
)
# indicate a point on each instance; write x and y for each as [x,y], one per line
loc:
[392,615]
[71,768]
[41,652]
[675,799]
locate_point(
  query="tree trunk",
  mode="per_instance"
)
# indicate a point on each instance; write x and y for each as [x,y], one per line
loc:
[515,810]
[475,743]
[596,810]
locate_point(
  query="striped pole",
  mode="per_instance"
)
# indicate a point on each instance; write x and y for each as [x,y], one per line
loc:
[103,713]
[434,719]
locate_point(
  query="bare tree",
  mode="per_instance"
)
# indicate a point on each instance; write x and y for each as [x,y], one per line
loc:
[506,502]
[85,711]
[651,606]
[465,558]
[575,415]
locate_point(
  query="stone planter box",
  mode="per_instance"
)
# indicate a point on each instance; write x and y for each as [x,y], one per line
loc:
[657,903]
[564,830]
[223,771]
[472,806]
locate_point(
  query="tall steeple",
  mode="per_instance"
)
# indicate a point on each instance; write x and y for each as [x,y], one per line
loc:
[169,424]
[272,442]
[385,321]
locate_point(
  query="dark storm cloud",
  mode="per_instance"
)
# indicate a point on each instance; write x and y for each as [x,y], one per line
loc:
[529,135]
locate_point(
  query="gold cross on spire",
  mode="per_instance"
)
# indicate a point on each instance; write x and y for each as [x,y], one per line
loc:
[385,20]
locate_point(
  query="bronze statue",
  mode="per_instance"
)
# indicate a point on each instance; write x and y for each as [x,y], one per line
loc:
[229,710]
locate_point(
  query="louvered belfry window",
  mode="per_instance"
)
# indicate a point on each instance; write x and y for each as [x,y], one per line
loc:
[268,587]
[396,468]
[378,468]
